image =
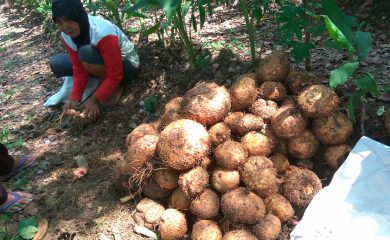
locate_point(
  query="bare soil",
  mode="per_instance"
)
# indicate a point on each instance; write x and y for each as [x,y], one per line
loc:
[88,208]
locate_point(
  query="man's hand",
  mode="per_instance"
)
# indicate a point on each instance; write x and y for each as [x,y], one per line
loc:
[91,109]
[71,108]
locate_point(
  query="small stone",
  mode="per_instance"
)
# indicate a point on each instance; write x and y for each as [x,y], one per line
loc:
[228,82]
[218,75]
[215,65]
[231,69]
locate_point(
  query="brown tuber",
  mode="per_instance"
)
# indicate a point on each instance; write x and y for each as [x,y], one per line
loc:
[243,92]
[274,91]
[173,225]
[280,162]
[332,130]
[240,123]
[240,234]
[206,205]
[288,122]
[183,144]
[206,230]
[279,206]
[194,181]
[206,103]
[219,133]
[264,108]
[140,131]
[268,228]
[139,152]
[154,191]
[224,180]
[179,200]
[317,101]
[303,146]
[167,178]
[334,155]
[148,213]
[296,80]
[249,122]
[230,154]
[171,112]
[274,67]
[257,144]
[259,174]
[242,206]
[300,185]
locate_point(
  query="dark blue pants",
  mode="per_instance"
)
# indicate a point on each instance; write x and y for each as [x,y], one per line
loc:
[61,65]
[6,166]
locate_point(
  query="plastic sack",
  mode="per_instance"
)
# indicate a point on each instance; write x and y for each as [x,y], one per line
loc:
[356,204]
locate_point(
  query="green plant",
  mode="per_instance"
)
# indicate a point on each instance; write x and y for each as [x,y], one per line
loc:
[150,104]
[297,24]
[253,11]
[347,35]
[202,60]
[173,17]
[2,49]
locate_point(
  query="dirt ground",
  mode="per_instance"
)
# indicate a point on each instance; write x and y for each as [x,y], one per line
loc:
[89,208]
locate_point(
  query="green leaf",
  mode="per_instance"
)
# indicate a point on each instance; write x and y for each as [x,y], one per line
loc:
[363,44]
[335,15]
[28,228]
[301,51]
[4,235]
[367,84]
[209,9]
[353,104]
[292,28]
[169,7]
[337,35]
[257,13]
[265,4]
[28,232]
[186,7]
[202,15]
[386,89]
[203,2]
[380,111]
[318,30]
[152,29]
[144,3]
[193,21]
[341,74]
[350,20]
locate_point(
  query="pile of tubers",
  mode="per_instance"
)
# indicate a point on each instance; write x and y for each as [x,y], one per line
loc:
[235,163]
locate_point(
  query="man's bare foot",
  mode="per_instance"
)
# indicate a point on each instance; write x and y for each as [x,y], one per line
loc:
[27,162]
[20,164]
[114,98]
[16,202]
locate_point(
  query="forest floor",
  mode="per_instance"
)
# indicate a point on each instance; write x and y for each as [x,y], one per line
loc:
[89,208]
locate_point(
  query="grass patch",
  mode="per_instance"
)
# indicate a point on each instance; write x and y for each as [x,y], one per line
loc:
[215,45]
[8,65]
[5,138]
